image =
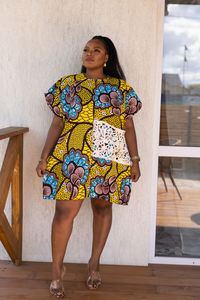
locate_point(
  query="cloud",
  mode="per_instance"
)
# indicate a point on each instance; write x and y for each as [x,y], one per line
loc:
[180,31]
[189,11]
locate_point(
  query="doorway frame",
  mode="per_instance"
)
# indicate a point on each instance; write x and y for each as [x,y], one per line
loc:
[169,151]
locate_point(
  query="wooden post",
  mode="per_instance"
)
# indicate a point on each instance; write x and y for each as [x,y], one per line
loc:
[12,173]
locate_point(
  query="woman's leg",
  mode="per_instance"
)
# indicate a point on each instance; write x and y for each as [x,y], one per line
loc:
[62,224]
[102,220]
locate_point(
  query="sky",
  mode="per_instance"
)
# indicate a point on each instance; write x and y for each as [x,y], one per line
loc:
[182,27]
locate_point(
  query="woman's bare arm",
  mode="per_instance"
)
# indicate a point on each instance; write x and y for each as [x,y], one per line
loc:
[131,141]
[52,137]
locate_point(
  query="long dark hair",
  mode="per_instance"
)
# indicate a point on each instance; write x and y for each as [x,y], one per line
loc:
[113,67]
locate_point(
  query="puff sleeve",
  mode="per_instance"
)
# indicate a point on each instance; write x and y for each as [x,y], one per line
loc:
[52,97]
[132,102]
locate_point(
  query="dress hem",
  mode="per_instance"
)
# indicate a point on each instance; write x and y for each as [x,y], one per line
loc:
[121,204]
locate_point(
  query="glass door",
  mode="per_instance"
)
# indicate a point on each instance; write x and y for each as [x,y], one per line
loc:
[176,234]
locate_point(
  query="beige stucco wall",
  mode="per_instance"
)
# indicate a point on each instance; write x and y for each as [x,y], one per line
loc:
[41,41]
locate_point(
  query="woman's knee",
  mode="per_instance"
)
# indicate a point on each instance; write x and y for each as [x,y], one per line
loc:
[101,206]
[66,210]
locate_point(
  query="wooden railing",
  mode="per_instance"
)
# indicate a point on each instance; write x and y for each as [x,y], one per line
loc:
[12,174]
[179,125]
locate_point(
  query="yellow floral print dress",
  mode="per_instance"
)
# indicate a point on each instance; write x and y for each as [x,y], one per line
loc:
[72,171]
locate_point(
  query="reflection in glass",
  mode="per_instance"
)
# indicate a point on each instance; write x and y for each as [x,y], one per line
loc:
[178,207]
[180,99]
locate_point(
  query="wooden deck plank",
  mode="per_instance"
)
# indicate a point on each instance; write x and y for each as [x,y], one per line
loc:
[155,282]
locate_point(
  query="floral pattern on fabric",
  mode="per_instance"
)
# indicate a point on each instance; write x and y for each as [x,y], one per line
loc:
[101,188]
[70,101]
[107,95]
[50,98]
[102,162]
[73,171]
[125,191]
[76,168]
[133,103]
[50,183]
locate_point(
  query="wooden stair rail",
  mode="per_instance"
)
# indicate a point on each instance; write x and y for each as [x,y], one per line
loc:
[12,173]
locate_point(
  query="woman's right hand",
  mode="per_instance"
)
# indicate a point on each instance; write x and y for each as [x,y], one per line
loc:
[41,168]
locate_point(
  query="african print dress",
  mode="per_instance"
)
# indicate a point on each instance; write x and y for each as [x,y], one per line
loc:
[73,171]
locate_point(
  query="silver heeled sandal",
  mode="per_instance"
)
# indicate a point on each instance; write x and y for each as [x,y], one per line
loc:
[56,287]
[94,280]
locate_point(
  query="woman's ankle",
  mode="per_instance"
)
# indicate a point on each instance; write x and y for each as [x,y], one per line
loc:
[93,264]
[56,270]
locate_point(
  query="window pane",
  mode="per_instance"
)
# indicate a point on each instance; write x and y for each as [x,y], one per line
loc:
[180,99]
[178,207]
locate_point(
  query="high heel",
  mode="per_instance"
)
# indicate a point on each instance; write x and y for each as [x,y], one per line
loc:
[94,280]
[56,287]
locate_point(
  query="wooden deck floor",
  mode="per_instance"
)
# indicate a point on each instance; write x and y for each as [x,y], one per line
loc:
[171,211]
[31,280]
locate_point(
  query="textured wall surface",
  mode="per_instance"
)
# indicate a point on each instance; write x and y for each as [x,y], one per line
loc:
[42,41]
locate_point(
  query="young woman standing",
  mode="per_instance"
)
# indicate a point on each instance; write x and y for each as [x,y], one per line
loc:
[90,151]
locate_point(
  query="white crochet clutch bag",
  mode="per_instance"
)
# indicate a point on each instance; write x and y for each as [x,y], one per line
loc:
[109,143]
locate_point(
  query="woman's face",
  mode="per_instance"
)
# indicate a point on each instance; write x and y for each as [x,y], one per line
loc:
[94,55]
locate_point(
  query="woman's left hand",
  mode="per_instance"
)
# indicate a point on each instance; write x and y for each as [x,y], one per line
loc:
[135,171]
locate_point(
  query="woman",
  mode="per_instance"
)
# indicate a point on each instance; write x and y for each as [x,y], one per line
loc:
[85,153]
